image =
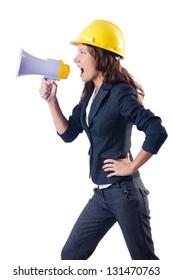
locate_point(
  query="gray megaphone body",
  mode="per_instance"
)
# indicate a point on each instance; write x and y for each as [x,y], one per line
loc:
[51,69]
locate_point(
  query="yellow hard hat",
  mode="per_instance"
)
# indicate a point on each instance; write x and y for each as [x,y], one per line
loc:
[103,34]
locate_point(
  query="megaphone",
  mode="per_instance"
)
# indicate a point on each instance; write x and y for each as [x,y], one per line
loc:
[51,69]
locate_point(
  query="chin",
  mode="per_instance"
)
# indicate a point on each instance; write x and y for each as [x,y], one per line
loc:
[85,80]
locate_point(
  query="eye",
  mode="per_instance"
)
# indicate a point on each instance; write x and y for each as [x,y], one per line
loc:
[83,52]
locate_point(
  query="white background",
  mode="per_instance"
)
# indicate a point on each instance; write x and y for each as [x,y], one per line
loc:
[44,182]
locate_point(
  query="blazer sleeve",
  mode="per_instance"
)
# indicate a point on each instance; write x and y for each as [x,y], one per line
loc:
[144,119]
[74,125]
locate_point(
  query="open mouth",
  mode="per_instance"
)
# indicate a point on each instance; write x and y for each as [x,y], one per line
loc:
[82,71]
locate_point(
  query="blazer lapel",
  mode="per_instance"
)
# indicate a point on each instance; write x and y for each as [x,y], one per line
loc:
[83,111]
[98,100]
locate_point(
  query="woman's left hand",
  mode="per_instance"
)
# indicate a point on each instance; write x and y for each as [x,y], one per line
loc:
[120,167]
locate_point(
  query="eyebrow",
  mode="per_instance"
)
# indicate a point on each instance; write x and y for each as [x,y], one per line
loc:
[82,49]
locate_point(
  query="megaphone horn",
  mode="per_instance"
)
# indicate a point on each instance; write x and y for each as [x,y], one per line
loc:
[51,69]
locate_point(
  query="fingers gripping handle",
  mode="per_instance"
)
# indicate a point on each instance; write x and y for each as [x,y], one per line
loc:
[44,96]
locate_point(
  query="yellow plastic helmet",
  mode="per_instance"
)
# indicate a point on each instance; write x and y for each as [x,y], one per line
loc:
[103,34]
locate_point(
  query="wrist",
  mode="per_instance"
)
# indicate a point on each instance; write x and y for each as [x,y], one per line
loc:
[52,101]
[133,167]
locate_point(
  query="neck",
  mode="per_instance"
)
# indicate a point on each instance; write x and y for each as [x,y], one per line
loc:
[97,83]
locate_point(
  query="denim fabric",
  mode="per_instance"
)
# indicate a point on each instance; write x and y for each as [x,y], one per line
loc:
[125,203]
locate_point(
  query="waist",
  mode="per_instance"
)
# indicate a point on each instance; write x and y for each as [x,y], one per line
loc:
[136,182]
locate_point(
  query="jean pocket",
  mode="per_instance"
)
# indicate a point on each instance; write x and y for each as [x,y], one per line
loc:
[143,200]
[144,192]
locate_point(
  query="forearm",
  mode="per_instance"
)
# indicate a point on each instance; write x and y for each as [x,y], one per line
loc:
[60,122]
[142,157]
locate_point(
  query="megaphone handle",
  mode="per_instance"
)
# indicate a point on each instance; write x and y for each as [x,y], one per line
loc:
[45,97]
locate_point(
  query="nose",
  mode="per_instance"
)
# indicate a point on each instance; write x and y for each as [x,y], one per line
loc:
[76,59]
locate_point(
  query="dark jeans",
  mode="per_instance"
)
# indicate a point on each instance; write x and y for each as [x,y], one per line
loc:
[125,203]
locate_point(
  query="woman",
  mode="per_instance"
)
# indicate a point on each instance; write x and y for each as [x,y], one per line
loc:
[109,107]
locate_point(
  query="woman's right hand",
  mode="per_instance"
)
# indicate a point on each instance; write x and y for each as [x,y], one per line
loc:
[48,89]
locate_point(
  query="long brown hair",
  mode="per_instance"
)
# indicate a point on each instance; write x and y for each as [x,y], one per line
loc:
[109,65]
